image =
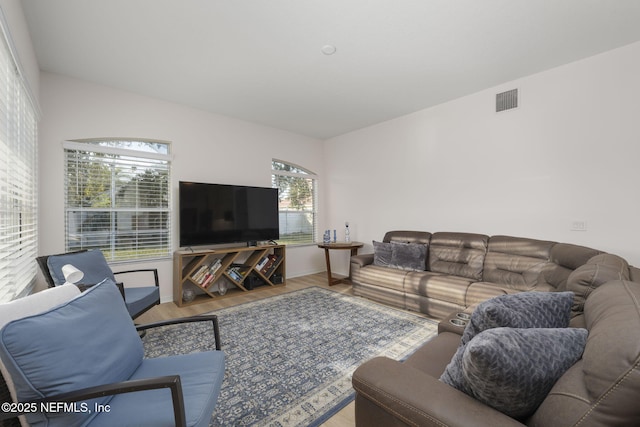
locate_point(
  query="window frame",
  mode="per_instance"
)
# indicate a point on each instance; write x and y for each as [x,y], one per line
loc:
[118,159]
[18,174]
[296,171]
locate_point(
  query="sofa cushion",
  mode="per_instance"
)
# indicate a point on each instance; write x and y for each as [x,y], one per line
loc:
[404,236]
[597,271]
[516,262]
[458,254]
[408,256]
[110,349]
[566,258]
[382,277]
[521,310]
[437,286]
[478,292]
[513,370]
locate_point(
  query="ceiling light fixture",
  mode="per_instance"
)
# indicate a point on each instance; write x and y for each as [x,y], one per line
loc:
[328,49]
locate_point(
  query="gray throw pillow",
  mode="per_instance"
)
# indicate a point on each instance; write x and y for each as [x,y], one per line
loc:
[382,253]
[521,310]
[409,256]
[513,370]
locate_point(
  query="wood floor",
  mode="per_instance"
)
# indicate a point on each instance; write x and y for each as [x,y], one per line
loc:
[344,418]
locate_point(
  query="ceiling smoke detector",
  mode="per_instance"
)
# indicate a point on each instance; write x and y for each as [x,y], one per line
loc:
[328,49]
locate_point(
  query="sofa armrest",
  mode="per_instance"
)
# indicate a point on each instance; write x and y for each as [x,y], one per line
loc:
[419,399]
[634,273]
[362,260]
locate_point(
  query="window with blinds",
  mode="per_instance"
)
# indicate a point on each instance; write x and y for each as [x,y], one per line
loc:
[117,197]
[297,204]
[18,179]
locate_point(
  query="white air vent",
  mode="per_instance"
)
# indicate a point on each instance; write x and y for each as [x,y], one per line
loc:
[507,100]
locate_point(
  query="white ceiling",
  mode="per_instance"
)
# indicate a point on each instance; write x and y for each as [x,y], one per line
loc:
[261,60]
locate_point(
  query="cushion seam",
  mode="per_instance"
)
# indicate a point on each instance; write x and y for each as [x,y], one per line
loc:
[403,404]
[608,392]
[619,382]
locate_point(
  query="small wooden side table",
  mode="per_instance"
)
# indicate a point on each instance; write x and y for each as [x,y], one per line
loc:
[352,246]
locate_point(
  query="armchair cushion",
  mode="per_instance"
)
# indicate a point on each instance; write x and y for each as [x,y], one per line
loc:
[201,375]
[102,331]
[513,370]
[139,298]
[92,263]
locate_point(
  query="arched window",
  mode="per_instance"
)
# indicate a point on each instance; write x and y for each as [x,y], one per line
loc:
[117,197]
[298,201]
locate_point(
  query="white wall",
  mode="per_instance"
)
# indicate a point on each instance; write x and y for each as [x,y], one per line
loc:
[206,148]
[570,152]
[19,33]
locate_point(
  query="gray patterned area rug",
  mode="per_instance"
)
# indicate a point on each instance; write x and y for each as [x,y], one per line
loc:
[289,358]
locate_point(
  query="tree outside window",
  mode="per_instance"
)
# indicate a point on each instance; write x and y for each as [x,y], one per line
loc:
[297,202]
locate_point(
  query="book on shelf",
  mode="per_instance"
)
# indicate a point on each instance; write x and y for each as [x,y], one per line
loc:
[263,261]
[206,273]
[199,274]
[208,279]
[272,261]
[236,273]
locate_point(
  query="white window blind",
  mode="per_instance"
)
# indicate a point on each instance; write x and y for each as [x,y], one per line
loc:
[297,204]
[117,197]
[18,180]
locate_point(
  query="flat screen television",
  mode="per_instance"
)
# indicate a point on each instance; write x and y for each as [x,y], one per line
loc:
[219,213]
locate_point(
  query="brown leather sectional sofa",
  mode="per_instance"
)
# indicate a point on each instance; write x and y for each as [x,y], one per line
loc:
[600,389]
[463,269]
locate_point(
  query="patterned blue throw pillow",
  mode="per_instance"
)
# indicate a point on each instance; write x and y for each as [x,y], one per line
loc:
[521,310]
[513,370]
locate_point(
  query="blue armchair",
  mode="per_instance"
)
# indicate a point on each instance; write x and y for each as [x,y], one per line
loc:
[87,350]
[95,268]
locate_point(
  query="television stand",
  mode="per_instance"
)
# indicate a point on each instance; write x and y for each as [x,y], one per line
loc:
[223,272]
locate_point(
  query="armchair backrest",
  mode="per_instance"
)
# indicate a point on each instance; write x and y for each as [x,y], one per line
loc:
[27,306]
[92,263]
[87,341]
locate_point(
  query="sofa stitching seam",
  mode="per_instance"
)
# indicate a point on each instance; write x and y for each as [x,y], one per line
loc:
[611,390]
[391,397]
[619,383]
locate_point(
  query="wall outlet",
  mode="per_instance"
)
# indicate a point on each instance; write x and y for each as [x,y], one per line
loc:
[578,225]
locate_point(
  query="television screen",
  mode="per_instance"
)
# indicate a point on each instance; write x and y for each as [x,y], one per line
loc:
[219,213]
